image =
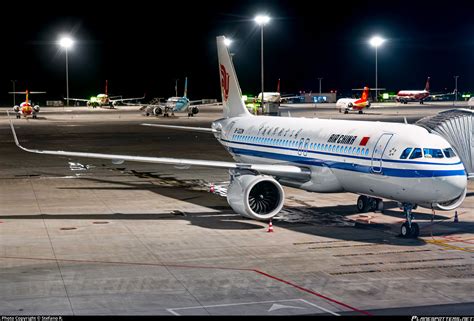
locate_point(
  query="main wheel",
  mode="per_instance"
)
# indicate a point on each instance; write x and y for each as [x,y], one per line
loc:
[415,230]
[405,230]
[360,112]
[362,204]
[346,111]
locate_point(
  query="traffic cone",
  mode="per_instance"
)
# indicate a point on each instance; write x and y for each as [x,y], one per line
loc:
[456,220]
[270,227]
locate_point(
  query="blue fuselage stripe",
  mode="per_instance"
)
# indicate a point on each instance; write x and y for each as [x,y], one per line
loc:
[395,172]
[340,155]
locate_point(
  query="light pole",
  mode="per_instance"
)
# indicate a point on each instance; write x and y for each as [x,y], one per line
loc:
[320,85]
[13,81]
[262,20]
[66,43]
[456,88]
[376,41]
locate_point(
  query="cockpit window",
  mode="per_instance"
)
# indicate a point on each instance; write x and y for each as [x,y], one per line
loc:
[433,153]
[406,152]
[449,152]
[416,154]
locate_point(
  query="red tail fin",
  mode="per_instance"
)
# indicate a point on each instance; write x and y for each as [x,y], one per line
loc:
[365,94]
[106,89]
[427,86]
[26,100]
[278,86]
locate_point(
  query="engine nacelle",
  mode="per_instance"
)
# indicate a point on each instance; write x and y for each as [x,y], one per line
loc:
[36,108]
[157,111]
[258,197]
[194,110]
[449,205]
[16,108]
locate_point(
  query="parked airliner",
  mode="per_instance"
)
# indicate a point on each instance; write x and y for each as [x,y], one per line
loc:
[404,96]
[376,160]
[177,104]
[357,104]
[26,108]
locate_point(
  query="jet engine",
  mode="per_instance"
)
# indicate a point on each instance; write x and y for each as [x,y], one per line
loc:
[194,110]
[157,111]
[16,108]
[36,108]
[258,197]
[452,204]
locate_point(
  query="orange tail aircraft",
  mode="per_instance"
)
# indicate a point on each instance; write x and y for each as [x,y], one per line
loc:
[26,108]
[353,104]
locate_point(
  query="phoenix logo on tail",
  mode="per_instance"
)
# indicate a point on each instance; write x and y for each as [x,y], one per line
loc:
[225,83]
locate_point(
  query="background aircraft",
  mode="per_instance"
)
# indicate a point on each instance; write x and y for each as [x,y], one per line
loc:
[354,104]
[102,100]
[404,96]
[26,108]
[274,97]
[176,104]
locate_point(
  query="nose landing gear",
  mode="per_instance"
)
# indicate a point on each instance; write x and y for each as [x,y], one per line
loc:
[409,229]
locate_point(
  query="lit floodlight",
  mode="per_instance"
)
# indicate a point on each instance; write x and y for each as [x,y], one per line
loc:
[262,19]
[227,42]
[376,41]
[66,42]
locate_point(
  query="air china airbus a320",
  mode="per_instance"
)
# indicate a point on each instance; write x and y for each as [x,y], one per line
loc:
[376,160]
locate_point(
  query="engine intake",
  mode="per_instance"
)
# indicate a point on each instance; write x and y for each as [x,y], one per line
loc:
[157,111]
[258,197]
[36,108]
[451,205]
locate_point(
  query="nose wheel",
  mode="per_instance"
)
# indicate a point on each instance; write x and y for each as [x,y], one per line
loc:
[409,229]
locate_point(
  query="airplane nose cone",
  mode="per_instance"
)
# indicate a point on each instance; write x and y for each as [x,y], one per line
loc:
[451,187]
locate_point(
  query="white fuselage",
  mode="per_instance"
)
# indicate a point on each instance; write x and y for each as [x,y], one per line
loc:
[353,156]
[273,97]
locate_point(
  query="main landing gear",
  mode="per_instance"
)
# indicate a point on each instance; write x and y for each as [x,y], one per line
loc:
[365,204]
[409,229]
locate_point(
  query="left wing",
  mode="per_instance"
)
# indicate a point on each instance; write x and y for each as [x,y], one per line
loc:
[205,105]
[292,171]
[126,99]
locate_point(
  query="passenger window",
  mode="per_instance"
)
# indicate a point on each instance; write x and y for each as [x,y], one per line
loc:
[358,150]
[432,153]
[366,152]
[406,152]
[449,152]
[416,153]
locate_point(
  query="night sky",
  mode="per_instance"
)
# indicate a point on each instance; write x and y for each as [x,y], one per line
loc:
[144,46]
